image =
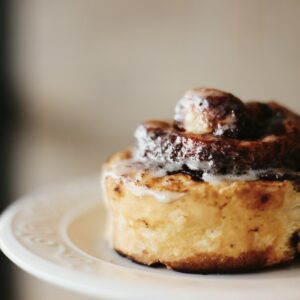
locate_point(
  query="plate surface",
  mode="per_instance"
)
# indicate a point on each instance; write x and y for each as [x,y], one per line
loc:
[58,235]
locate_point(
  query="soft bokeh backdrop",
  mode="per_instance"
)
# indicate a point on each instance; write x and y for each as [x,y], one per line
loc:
[88,71]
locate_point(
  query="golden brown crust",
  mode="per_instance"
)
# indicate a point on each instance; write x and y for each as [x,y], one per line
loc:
[214,263]
[228,227]
[251,260]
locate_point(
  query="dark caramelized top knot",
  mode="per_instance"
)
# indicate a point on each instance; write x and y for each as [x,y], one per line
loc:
[216,133]
[211,111]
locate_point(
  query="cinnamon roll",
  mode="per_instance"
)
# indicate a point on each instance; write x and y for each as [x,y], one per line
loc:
[215,190]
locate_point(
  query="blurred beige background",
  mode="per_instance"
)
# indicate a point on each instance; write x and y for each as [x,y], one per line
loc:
[88,71]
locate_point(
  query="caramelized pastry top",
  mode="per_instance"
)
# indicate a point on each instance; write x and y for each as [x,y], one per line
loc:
[210,111]
[214,132]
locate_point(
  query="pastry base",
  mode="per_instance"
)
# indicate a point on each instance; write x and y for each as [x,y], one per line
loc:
[209,228]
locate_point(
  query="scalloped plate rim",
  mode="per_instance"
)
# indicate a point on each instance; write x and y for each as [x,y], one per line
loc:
[104,285]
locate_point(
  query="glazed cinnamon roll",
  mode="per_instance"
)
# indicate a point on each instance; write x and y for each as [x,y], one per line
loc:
[215,190]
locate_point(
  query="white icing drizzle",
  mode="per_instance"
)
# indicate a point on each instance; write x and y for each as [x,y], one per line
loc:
[130,173]
[162,196]
[251,175]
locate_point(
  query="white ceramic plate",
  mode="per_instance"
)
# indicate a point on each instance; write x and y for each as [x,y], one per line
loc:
[58,236]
